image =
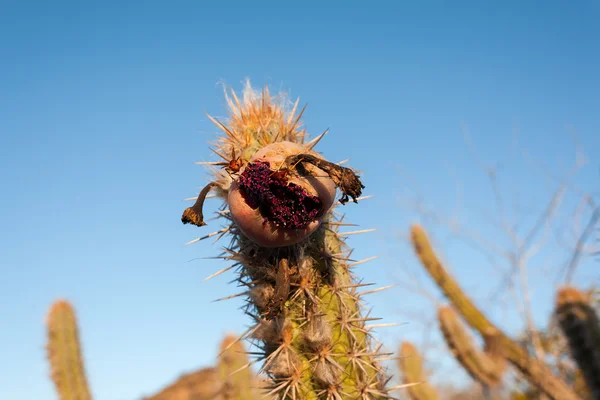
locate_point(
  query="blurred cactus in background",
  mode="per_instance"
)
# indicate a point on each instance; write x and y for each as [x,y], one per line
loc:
[230,379]
[410,364]
[580,324]
[534,370]
[238,381]
[483,366]
[203,384]
[64,353]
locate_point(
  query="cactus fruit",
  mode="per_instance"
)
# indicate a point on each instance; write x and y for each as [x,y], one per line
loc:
[581,326]
[237,381]
[261,202]
[64,353]
[482,367]
[303,298]
[536,372]
[411,365]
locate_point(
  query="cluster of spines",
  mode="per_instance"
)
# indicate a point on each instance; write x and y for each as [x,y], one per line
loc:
[259,119]
[411,365]
[314,340]
[581,326]
[535,371]
[486,367]
[64,353]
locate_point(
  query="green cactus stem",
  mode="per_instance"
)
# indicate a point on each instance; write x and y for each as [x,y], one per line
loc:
[483,368]
[308,325]
[411,365]
[64,353]
[536,372]
[581,326]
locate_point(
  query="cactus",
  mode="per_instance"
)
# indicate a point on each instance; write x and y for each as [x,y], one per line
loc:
[536,372]
[303,298]
[64,353]
[199,385]
[486,368]
[581,326]
[411,365]
[237,380]
[228,380]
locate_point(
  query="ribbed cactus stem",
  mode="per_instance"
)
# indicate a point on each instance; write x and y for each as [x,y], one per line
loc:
[482,367]
[237,380]
[64,353]
[581,326]
[319,342]
[411,365]
[536,372]
[310,327]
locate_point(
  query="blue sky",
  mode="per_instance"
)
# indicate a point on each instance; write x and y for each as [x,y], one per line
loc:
[102,114]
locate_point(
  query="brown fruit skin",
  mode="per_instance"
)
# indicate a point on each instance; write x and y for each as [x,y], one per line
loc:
[251,222]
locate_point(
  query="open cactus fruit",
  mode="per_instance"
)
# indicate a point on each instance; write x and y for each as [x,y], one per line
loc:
[279,189]
[278,197]
[275,206]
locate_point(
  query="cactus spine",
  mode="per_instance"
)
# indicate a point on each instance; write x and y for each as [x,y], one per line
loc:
[64,353]
[536,372]
[309,326]
[483,367]
[581,326]
[411,365]
[237,380]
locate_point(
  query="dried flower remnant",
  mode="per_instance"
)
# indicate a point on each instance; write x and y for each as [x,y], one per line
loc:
[193,215]
[343,177]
